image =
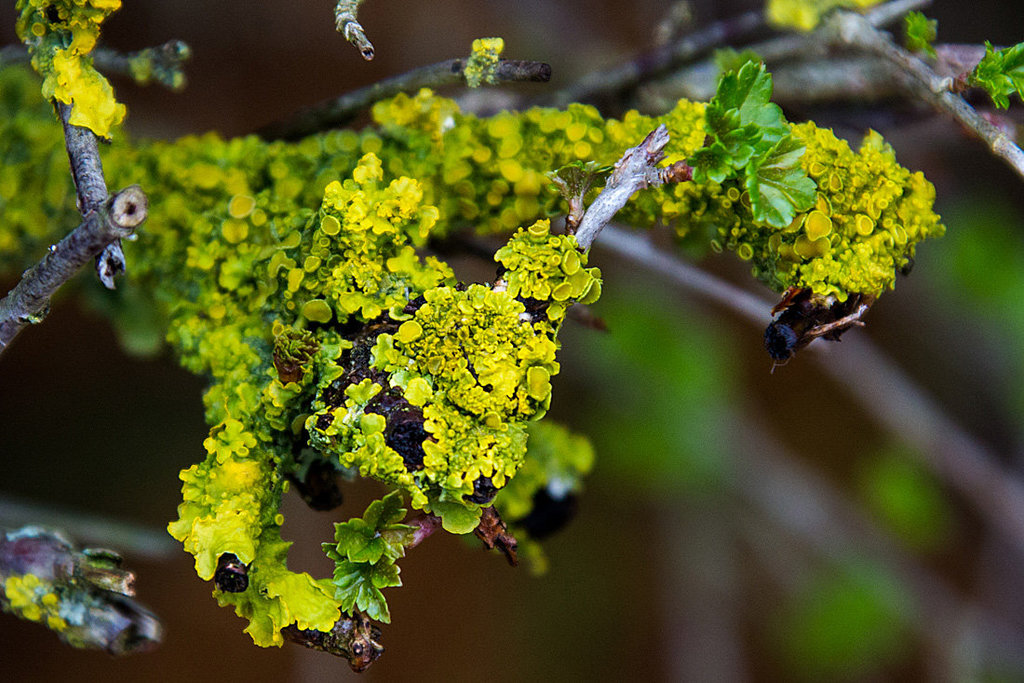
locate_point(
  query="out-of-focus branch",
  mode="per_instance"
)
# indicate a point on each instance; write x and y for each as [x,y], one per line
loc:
[782,491]
[84,596]
[163,64]
[732,32]
[135,540]
[850,29]
[649,64]
[348,25]
[340,110]
[959,460]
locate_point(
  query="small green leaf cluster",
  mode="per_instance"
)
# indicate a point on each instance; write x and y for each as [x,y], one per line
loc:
[750,138]
[920,33]
[1000,73]
[364,551]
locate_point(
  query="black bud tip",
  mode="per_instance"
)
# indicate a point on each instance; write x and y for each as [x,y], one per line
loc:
[779,340]
[232,576]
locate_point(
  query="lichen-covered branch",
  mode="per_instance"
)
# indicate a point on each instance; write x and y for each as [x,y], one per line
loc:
[348,25]
[341,110]
[163,64]
[85,596]
[659,60]
[847,28]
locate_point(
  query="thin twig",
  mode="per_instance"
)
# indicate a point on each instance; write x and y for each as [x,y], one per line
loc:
[87,172]
[882,389]
[698,81]
[649,64]
[106,221]
[29,301]
[348,25]
[340,110]
[636,170]
[847,28]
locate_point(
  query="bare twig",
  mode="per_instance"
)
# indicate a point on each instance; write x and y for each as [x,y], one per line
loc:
[959,460]
[85,596]
[654,64]
[106,220]
[161,63]
[353,637]
[636,170]
[818,80]
[650,64]
[339,111]
[348,25]
[29,301]
[847,28]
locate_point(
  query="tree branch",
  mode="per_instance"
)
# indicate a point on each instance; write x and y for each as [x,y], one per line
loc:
[636,170]
[340,110]
[348,25]
[84,596]
[29,301]
[107,219]
[801,81]
[850,29]
[161,63]
[649,64]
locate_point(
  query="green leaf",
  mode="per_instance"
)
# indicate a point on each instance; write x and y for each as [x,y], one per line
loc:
[920,32]
[358,584]
[364,553]
[728,59]
[778,186]
[742,124]
[1000,73]
[749,91]
[374,536]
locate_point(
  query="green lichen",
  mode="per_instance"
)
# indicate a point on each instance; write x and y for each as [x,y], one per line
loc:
[60,34]
[482,66]
[868,217]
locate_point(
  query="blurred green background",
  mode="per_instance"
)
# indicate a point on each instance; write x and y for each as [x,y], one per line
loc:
[739,525]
